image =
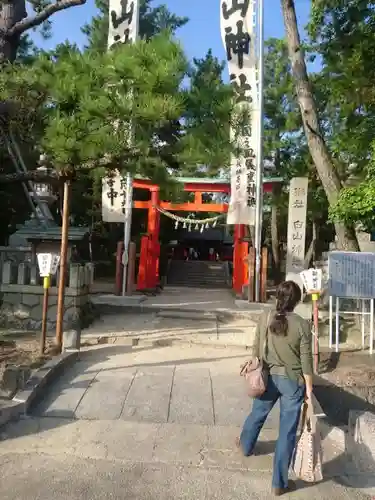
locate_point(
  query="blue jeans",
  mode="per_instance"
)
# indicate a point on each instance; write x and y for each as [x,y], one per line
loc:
[291,396]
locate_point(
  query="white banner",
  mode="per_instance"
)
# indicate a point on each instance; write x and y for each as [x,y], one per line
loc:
[123,21]
[115,198]
[239,35]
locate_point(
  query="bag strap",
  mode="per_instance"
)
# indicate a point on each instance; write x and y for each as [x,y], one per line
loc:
[308,419]
[265,339]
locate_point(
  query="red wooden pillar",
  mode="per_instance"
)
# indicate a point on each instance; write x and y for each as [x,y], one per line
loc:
[153,227]
[143,264]
[239,265]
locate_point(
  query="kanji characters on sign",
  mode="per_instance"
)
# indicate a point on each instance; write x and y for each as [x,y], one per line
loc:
[123,21]
[237,43]
[297,224]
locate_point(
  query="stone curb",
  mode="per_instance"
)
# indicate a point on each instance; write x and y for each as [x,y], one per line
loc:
[337,434]
[35,386]
[196,314]
[168,342]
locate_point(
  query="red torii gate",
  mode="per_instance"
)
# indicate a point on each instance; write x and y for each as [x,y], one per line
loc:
[148,277]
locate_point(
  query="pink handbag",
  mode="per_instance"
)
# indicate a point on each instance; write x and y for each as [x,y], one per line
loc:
[256,373]
[307,464]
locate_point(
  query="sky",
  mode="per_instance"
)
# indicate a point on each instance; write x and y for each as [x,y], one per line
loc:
[200,34]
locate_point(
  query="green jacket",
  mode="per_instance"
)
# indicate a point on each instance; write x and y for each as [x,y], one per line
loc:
[290,355]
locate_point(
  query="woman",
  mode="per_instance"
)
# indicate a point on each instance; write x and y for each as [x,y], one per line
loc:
[285,339]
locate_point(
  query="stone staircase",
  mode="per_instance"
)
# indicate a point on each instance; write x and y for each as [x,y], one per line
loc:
[197,274]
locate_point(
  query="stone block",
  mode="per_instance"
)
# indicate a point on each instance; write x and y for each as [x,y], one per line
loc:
[361,444]
[13,298]
[72,339]
[36,312]
[74,276]
[23,274]
[6,277]
[52,313]
[21,311]
[6,310]
[68,302]
[31,300]
[82,276]
[13,378]
[35,324]
[71,316]
[34,275]
[52,300]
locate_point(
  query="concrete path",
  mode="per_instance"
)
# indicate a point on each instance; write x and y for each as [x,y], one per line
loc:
[183,298]
[151,327]
[147,423]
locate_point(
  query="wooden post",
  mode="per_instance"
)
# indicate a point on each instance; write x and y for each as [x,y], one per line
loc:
[251,295]
[63,265]
[131,268]
[46,285]
[315,298]
[119,269]
[263,275]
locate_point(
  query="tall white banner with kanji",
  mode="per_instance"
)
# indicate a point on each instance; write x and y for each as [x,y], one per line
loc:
[238,31]
[117,190]
[123,21]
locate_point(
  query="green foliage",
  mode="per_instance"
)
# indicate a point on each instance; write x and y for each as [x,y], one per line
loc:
[343,34]
[207,118]
[87,96]
[356,205]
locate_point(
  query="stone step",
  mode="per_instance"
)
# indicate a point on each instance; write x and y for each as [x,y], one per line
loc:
[190,315]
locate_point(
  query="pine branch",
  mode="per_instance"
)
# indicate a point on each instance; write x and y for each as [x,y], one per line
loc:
[32,175]
[43,15]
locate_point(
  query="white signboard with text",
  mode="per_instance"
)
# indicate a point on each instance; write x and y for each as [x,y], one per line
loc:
[296,228]
[48,264]
[123,21]
[312,280]
[114,198]
[237,21]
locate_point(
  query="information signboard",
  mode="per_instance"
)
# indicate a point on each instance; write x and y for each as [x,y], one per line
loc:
[351,274]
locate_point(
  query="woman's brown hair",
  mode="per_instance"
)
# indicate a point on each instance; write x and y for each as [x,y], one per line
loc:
[288,294]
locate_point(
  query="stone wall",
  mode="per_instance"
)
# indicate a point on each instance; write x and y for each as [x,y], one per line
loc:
[21,297]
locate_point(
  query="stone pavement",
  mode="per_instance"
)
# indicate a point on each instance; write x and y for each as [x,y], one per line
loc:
[151,327]
[148,423]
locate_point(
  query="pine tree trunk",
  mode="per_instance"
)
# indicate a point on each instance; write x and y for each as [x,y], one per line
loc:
[346,236]
[11,12]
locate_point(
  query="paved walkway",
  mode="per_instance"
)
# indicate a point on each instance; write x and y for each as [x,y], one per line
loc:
[183,298]
[147,423]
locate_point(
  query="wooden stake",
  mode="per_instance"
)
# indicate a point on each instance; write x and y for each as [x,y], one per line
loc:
[263,277]
[63,265]
[46,285]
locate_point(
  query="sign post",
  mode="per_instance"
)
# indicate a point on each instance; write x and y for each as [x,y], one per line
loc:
[47,263]
[312,281]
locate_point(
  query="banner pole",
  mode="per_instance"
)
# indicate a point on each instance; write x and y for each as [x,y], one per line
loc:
[259,152]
